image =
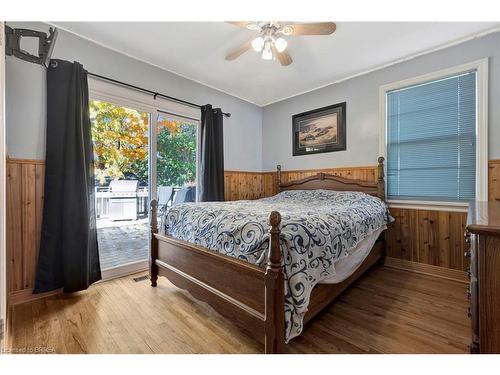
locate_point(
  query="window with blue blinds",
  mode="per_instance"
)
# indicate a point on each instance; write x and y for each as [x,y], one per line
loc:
[431,140]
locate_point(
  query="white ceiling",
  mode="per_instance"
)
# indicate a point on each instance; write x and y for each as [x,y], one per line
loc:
[196,50]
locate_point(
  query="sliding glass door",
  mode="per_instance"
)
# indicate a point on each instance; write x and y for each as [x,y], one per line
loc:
[144,148]
[121,143]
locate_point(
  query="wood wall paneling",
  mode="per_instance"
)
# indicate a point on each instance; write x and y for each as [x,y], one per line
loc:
[426,236]
[255,185]
[494,180]
[24,222]
[269,181]
[14,227]
[243,185]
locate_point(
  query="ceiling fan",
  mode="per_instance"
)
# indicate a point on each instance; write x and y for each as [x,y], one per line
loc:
[271,42]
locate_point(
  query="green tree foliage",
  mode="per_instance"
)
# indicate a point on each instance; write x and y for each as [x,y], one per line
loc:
[176,162]
[121,145]
[120,139]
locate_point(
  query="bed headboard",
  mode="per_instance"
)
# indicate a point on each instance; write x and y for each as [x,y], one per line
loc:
[331,182]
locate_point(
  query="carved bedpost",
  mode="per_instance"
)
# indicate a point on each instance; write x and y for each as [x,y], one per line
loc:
[381,195]
[381,180]
[278,184]
[275,293]
[153,268]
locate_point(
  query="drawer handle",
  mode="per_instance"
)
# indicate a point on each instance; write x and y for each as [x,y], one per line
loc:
[467,237]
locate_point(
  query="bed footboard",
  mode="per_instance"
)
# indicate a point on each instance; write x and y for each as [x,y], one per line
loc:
[248,295]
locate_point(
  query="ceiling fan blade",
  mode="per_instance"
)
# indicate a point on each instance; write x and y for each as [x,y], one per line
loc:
[237,52]
[318,28]
[284,57]
[246,25]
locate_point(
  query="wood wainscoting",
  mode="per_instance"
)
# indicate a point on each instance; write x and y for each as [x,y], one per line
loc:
[428,237]
[494,180]
[255,185]
[243,185]
[24,222]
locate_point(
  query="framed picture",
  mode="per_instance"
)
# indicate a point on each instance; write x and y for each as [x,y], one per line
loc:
[319,130]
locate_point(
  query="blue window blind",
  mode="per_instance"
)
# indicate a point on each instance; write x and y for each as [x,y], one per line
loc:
[431,140]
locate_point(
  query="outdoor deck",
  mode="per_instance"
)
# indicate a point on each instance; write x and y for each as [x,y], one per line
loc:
[127,241]
[122,242]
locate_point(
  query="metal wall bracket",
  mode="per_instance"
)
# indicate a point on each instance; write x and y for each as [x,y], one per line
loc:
[45,44]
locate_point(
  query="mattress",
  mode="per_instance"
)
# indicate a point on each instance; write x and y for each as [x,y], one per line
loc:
[346,266]
[319,229]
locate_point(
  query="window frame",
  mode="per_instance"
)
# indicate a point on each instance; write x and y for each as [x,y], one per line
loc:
[481,67]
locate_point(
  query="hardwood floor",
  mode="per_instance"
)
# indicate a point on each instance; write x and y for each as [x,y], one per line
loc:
[386,311]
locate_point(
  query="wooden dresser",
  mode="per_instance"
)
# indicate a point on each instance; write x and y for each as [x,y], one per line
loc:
[483,236]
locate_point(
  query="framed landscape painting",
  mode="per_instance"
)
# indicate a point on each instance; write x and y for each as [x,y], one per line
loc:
[319,130]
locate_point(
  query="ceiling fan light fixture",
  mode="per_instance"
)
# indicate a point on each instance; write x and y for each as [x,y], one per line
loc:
[258,44]
[271,40]
[267,53]
[280,44]
[252,26]
[286,30]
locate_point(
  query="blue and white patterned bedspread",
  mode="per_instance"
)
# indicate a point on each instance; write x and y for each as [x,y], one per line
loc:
[318,228]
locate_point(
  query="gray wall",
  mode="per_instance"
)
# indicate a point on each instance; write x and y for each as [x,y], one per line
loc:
[362,97]
[25,101]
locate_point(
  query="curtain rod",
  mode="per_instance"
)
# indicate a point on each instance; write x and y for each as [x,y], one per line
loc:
[154,93]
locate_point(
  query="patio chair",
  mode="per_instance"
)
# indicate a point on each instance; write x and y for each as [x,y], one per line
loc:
[165,195]
[186,194]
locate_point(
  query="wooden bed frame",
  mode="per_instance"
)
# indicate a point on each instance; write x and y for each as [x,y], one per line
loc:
[250,296]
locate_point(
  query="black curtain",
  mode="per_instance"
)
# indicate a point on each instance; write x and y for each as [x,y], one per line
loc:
[211,170]
[68,250]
